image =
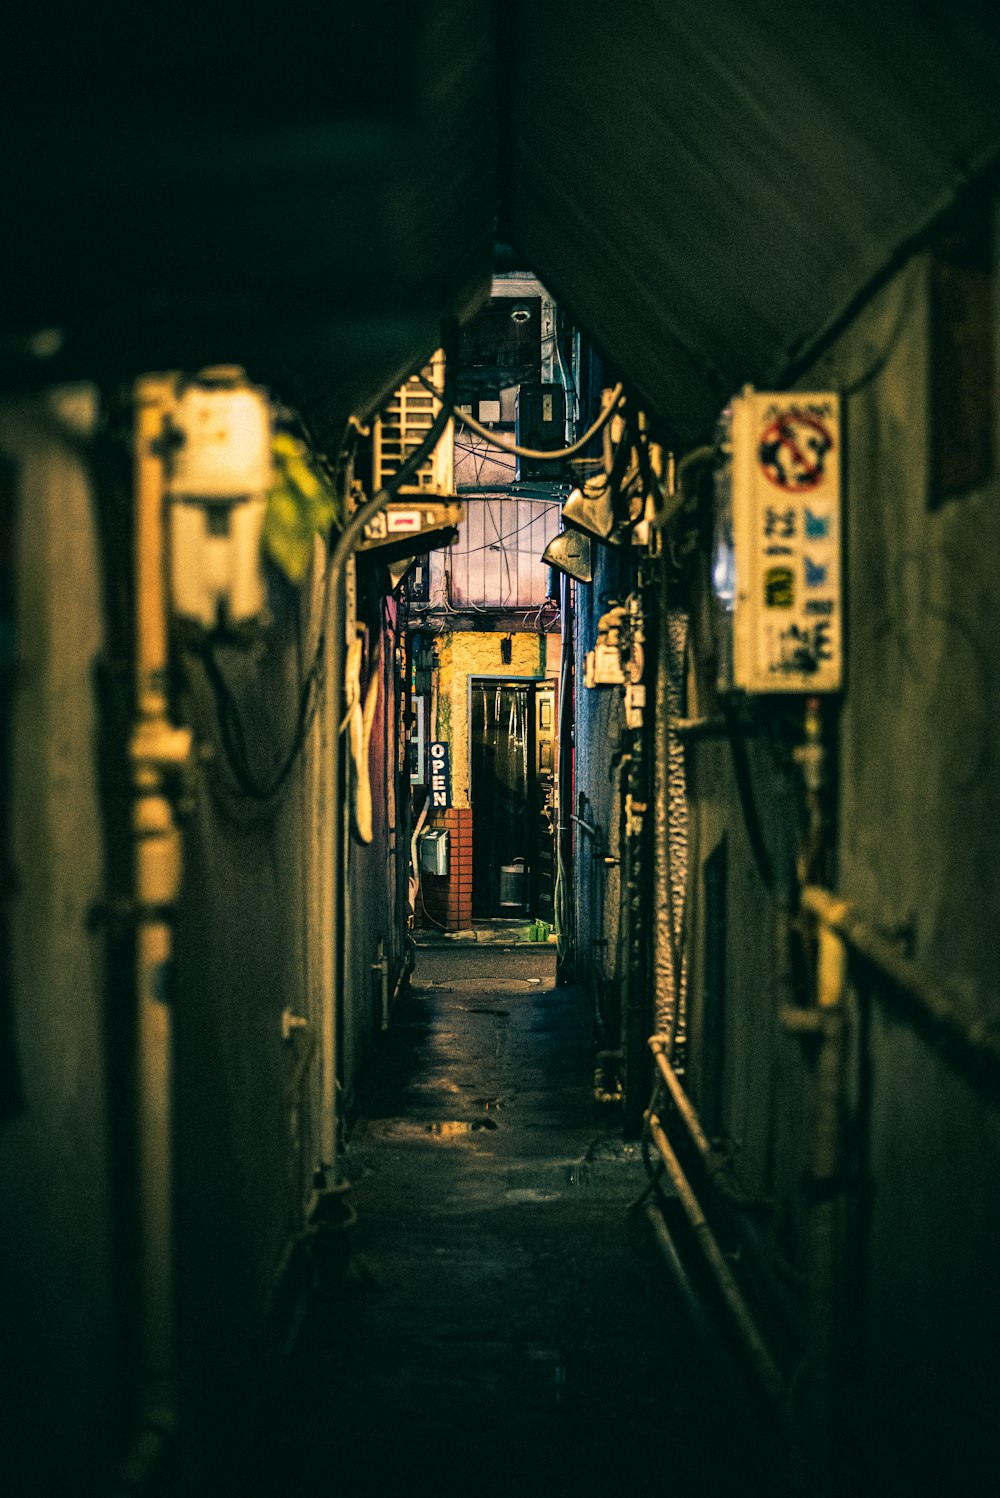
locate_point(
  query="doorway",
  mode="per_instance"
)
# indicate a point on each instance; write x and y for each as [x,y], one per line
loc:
[512,753]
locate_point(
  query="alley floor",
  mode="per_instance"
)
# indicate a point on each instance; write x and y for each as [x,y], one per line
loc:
[506,1324]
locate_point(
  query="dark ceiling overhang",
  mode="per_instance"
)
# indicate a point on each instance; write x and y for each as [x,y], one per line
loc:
[709,186]
[307,190]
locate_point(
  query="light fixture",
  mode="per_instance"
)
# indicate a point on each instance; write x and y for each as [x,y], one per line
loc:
[592,509]
[569,552]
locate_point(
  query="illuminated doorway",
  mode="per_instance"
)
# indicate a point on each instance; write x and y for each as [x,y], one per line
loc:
[512,755]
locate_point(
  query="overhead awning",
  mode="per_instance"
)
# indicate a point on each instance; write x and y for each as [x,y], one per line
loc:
[709,187]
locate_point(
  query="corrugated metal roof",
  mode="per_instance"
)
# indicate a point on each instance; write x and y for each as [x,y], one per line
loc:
[708,184]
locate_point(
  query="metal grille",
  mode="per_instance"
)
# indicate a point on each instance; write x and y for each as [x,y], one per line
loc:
[496,560]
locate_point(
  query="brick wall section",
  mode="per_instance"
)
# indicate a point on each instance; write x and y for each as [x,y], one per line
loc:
[449,900]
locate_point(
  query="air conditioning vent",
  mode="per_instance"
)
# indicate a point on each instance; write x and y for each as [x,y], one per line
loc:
[402,426]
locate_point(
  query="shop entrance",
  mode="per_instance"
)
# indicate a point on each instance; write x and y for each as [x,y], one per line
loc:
[512,754]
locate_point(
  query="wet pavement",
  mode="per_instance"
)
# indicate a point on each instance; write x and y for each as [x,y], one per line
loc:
[506,1324]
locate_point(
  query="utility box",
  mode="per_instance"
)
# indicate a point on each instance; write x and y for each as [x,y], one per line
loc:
[434,851]
[218,475]
[777,553]
[540,422]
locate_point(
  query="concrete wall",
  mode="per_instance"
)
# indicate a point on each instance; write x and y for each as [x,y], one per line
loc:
[915,847]
[241,961]
[253,939]
[62,1409]
[252,925]
[920,807]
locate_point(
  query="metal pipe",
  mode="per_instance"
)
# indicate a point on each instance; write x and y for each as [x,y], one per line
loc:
[715,1348]
[636,994]
[928,1001]
[680,1099]
[762,1362]
[587,827]
[681,1278]
[712,727]
[563,904]
[841,929]
[157,749]
[666,982]
[716,1164]
[381,966]
[825,1218]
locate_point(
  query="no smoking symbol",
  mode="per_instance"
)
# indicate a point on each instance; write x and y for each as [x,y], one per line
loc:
[793,450]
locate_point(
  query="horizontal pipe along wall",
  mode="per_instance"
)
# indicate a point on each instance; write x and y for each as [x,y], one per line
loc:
[918,1298]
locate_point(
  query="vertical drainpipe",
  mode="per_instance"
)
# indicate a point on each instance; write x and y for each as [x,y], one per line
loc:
[328,777]
[826,1206]
[564,914]
[336,624]
[157,751]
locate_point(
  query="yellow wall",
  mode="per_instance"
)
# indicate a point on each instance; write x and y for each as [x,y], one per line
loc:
[472,654]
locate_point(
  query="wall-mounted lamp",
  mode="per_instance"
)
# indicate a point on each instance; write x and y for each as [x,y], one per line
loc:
[570,552]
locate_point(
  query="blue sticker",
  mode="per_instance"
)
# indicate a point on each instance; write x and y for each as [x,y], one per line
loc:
[816,573]
[817,526]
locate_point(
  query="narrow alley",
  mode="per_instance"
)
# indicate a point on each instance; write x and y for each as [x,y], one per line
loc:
[500,749]
[474,1343]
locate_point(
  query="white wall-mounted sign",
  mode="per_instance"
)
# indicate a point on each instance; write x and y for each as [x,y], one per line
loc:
[786,531]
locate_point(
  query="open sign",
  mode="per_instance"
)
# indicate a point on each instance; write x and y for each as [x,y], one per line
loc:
[440,777]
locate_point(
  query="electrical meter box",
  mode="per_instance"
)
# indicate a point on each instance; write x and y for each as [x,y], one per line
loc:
[777,553]
[218,475]
[434,851]
[539,422]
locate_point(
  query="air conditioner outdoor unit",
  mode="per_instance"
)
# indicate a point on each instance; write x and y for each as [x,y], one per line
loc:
[401,427]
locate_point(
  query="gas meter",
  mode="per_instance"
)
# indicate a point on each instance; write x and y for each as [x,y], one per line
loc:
[219,470]
[776,564]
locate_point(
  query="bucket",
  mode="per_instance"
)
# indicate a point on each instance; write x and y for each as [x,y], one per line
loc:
[512,884]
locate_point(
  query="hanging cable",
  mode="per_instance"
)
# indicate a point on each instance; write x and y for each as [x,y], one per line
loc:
[231,728]
[535,454]
[748,802]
